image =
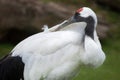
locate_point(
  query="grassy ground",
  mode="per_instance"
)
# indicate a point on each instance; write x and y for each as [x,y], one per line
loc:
[108,71]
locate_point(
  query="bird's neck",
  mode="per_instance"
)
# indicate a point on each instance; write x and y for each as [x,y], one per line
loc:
[90,28]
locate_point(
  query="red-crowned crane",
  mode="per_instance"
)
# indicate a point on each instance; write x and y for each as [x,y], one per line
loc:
[58,52]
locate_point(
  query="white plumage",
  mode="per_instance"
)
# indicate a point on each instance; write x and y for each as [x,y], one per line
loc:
[58,52]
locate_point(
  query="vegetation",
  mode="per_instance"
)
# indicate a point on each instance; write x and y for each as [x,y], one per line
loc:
[5,49]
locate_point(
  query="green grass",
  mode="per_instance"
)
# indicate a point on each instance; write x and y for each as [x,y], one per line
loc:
[5,49]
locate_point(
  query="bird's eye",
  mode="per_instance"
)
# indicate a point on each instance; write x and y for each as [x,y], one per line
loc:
[79,10]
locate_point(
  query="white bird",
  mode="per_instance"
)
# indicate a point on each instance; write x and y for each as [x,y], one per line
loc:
[58,52]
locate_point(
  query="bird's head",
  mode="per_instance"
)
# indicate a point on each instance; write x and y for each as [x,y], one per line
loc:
[85,14]
[88,16]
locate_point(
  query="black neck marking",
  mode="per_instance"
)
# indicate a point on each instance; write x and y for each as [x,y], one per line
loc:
[89,30]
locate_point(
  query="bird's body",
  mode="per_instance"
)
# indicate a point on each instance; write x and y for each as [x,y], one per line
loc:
[58,55]
[61,53]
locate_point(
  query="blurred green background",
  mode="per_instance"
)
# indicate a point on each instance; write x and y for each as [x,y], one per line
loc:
[19,22]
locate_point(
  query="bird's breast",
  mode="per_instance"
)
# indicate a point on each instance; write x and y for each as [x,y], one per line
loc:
[93,56]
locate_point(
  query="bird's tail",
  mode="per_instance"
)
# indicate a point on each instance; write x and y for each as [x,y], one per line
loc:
[11,68]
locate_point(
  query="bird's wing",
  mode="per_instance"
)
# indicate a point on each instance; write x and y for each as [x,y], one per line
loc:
[46,43]
[27,40]
[38,35]
[44,38]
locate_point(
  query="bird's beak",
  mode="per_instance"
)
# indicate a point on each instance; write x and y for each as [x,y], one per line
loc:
[74,18]
[71,20]
[62,25]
